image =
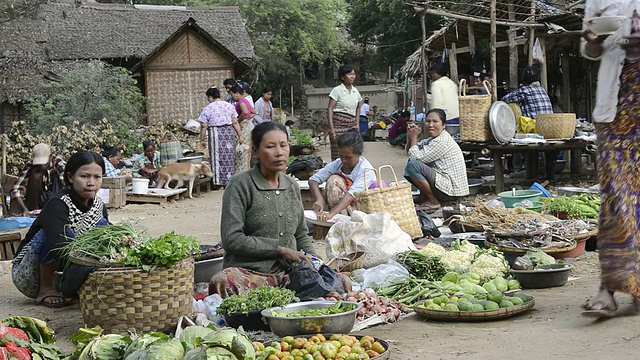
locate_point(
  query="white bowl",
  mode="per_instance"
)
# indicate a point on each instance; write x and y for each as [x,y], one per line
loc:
[605,25]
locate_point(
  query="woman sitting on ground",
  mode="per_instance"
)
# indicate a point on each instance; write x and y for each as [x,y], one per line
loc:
[398,131]
[263,229]
[343,177]
[72,214]
[436,164]
[149,160]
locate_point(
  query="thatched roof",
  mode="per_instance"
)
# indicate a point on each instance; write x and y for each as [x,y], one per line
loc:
[65,35]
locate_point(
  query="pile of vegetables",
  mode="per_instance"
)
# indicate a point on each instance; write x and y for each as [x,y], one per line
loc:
[469,303]
[301,137]
[421,265]
[576,207]
[532,259]
[27,338]
[467,257]
[373,305]
[124,245]
[335,309]
[257,300]
[337,347]
[194,343]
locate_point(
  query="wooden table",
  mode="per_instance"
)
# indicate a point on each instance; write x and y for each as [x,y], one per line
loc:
[550,150]
[156,196]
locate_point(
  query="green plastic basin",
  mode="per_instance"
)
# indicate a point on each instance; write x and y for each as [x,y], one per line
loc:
[509,200]
[537,206]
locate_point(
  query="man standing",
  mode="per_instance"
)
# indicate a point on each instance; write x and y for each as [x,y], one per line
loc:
[364,119]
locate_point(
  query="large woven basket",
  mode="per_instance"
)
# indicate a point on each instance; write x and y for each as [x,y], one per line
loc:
[474,114]
[124,299]
[556,126]
[396,200]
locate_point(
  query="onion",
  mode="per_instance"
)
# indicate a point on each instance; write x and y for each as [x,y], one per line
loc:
[352,299]
[362,296]
[370,313]
[333,294]
[383,300]
[377,309]
[331,298]
[319,299]
[352,294]
[361,312]
[370,292]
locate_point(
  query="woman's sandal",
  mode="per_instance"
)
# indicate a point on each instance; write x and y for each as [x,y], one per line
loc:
[602,311]
[42,300]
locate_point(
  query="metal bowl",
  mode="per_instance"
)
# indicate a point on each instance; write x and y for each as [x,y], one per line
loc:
[194,159]
[205,269]
[571,190]
[291,326]
[545,276]
[475,185]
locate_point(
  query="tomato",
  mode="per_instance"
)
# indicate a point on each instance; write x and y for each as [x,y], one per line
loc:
[356,349]
[353,356]
[314,339]
[321,337]
[329,350]
[372,353]
[258,346]
[276,345]
[298,343]
[273,357]
[296,352]
[336,344]
[377,347]
[335,337]
[347,340]
[366,344]
[318,356]
[307,357]
[345,349]
[288,339]
[284,346]
[288,357]
[341,356]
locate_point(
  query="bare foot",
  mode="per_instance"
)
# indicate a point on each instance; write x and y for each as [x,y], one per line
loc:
[603,305]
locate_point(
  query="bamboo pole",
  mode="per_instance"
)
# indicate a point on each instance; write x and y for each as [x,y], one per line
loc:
[494,73]
[423,56]
[443,13]
[513,52]
[292,102]
[532,35]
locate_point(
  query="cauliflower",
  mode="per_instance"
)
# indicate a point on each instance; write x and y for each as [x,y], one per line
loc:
[433,249]
[489,267]
[468,247]
[456,260]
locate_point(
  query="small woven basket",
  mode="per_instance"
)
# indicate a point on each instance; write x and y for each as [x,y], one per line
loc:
[396,200]
[556,126]
[474,114]
[348,263]
[320,232]
[124,299]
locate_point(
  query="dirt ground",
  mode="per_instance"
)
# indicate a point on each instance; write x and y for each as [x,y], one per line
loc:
[554,329]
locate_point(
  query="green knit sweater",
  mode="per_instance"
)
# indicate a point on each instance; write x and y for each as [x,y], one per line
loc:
[256,219]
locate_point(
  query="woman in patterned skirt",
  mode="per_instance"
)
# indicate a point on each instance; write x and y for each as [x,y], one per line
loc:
[219,120]
[74,213]
[344,105]
[618,134]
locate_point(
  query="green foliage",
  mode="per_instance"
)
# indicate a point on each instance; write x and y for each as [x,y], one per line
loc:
[302,138]
[86,96]
[13,9]
[390,25]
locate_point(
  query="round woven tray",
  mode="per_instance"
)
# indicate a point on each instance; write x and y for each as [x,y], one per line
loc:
[584,236]
[512,250]
[488,315]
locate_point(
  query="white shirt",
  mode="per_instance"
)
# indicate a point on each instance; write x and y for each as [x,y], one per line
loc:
[364,110]
[444,95]
[357,175]
[612,56]
[346,101]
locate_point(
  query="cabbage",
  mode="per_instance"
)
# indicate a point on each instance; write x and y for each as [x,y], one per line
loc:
[170,350]
[192,333]
[144,342]
[433,249]
[235,341]
[107,347]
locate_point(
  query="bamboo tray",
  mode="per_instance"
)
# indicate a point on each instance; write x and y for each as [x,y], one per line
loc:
[469,316]
[513,250]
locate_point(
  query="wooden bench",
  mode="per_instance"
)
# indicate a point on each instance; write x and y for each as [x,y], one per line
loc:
[156,196]
[9,242]
[206,181]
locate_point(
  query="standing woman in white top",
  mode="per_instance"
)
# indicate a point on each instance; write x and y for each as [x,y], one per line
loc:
[618,137]
[444,93]
[344,107]
[343,177]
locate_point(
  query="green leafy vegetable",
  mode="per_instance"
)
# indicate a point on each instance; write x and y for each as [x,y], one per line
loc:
[335,309]
[107,347]
[165,250]
[255,300]
[36,329]
[302,138]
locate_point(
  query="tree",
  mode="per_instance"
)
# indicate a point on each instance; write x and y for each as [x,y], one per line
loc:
[289,36]
[12,9]
[391,27]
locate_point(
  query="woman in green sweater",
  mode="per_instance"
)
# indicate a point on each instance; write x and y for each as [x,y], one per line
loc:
[263,224]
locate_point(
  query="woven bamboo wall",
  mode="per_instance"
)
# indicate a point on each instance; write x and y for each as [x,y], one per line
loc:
[178,76]
[179,95]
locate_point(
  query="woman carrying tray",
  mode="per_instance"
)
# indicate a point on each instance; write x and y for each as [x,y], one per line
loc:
[436,164]
[72,214]
[617,118]
[263,225]
[343,178]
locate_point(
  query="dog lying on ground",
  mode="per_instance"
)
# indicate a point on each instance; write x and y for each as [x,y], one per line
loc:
[182,172]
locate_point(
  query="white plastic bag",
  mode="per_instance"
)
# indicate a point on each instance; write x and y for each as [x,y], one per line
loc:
[384,275]
[376,234]
[537,52]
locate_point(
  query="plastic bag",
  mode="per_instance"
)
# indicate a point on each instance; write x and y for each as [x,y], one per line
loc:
[527,125]
[310,284]
[429,228]
[384,275]
[537,52]
[375,234]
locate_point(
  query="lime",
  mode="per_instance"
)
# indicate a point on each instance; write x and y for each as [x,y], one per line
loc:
[523,296]
[454,298]
[451,307]
[434,307]
[468,297]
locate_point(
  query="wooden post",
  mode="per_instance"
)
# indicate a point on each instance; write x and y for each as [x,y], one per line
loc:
[423,55]
[292,101]
[532,35]
[472,38]
[543,66]
[3,170]
[453,63]
[566,83]
[513,52]
[494,73]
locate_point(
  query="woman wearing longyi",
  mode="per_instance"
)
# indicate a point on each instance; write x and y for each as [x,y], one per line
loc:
[344,105]
[343,178]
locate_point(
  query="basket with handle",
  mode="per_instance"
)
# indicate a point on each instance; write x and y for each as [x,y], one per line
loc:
[556,126]
[396,200]
[474,114]
[170,149]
